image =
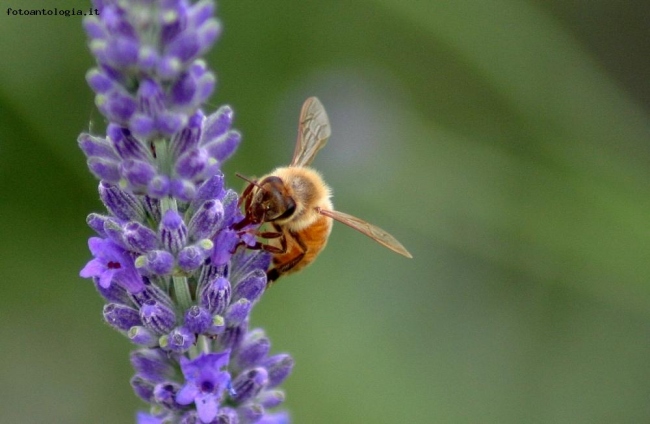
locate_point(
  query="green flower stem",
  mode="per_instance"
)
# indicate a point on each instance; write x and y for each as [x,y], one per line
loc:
[181,288]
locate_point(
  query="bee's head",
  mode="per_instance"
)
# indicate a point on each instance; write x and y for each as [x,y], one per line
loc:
[271,201]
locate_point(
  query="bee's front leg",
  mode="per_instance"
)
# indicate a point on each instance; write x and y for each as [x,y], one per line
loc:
[284,267]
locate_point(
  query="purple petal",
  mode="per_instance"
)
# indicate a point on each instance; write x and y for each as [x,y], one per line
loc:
[96,245]
[93,268]
[186,394]
[224,243]
[206,406]
[106,278]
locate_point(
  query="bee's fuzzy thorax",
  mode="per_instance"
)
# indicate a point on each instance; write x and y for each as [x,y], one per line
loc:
[308,189]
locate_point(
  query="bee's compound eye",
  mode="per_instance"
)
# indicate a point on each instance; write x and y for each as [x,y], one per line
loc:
[290,206]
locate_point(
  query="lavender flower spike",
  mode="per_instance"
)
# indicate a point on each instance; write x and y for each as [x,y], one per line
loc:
[164,255]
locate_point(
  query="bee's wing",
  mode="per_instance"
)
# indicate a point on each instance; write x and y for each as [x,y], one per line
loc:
[375,233]
[313,132]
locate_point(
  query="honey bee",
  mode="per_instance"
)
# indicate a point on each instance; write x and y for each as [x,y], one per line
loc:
[295,201]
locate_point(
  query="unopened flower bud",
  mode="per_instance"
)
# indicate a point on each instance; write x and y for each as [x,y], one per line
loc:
[192,163]
[227,416]
[172,231]
[142,388]
[138,173]
[223,147]
[238,311]
[157,262]
[96,222]
[197,319]
[215,297]
[188,138]
[142,336]
[139,238]
[211,189]
[121,317]
[206,220]
[157,317]
[279,367]
[190,258]
[217,326]
[120,203]
[180,339]
[271,398]
[252,350]
[232,336]
[249,383]
[165,394]
[152,364]
[183,189]
[250,287]
[251,412]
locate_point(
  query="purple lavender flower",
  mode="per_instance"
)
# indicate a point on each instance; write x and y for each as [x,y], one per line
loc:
[163,259]
[112,264]
[205,383]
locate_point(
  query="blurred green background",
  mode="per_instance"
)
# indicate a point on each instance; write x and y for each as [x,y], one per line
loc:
[505,143]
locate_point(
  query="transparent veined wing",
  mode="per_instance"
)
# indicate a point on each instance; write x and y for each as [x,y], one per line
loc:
[372,231]
[313,132]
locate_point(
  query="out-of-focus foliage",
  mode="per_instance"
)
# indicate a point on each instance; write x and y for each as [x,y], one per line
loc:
[505,143]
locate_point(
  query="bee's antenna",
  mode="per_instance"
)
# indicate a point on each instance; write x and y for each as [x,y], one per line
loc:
[250,181]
